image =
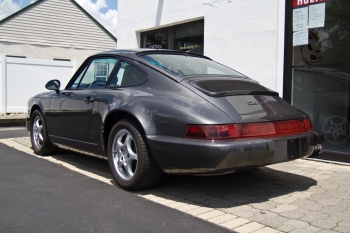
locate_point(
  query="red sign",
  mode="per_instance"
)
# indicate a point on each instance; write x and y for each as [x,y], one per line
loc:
[297,3]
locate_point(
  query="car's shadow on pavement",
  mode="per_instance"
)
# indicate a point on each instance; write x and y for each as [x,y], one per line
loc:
[244,188]
[253,186]
[84,162]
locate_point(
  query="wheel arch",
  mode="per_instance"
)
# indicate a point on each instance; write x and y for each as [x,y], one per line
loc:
[36,106]
[112,118]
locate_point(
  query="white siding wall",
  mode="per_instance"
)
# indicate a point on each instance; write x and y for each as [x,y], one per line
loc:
[46,52]
[245,35]
[57,23]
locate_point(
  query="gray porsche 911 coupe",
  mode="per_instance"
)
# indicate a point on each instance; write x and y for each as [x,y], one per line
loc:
[151,112]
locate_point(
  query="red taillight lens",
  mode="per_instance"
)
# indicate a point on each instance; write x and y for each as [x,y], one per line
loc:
[210,131]
[247,130]
[308,124]
[256,129]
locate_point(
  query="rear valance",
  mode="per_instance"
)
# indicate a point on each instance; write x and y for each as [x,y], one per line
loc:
[218,88]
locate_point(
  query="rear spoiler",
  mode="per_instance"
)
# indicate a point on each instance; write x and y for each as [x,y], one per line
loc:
[220,88]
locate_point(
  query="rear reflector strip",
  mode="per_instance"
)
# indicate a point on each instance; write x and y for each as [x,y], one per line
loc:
[247,130]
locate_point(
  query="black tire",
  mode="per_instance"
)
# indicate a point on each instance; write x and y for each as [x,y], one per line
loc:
[38,135]
[131,164]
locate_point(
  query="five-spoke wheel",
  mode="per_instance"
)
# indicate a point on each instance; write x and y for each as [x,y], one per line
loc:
[124,154]
[129,159]
[38,135]
[38,132]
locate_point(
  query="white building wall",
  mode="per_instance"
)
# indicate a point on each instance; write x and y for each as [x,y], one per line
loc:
[245,35]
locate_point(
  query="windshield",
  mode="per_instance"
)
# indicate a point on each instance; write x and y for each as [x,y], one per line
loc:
[180,65]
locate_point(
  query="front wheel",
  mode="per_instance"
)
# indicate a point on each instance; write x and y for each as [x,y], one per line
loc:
[131,164]
[38,135]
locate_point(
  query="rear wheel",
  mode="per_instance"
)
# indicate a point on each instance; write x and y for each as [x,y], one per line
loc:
[131,164]
[38,135]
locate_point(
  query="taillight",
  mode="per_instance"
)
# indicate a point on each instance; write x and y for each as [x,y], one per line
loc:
[210,131]
[308,124]
[247,130]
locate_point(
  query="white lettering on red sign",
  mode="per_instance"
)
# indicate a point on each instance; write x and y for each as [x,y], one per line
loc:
[306,2]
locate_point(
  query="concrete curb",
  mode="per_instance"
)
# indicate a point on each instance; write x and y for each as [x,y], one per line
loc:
[9,121]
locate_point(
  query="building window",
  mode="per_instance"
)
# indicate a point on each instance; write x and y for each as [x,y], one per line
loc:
[189,37]
[101,71]
[157,39]
[183,37]
[318,67]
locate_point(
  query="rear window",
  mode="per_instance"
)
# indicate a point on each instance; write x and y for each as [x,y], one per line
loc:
[181,65]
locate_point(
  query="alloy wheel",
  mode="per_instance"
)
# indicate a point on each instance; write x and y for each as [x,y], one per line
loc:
[38,132]
[124,154]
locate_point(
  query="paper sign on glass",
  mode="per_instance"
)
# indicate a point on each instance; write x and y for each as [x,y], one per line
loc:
[301,38]
[317,15]
[300,19]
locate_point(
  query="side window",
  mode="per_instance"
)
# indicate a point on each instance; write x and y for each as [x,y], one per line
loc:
[77,81]
[96,74]
[127,75]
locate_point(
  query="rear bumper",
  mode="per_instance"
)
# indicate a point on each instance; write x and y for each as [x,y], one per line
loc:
[193,156]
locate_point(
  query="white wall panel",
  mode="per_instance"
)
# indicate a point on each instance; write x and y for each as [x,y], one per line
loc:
[27,77]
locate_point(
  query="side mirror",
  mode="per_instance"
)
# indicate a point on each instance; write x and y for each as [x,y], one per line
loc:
[53,85]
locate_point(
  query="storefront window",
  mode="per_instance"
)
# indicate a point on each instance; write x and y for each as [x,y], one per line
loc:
[157,40]
[321,68]
[190,37]
[184,37]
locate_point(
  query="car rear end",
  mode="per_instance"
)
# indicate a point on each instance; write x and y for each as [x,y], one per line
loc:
[264,129]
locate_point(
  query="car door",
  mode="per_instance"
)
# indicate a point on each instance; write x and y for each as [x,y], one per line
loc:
[71,109]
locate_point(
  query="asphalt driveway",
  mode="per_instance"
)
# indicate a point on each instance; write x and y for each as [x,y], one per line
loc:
[298,196]
[40,196]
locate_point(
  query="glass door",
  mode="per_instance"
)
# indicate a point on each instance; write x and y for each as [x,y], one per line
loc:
[320,68]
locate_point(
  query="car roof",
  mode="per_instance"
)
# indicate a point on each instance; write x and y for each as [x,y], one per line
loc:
[132,53]
[136,53]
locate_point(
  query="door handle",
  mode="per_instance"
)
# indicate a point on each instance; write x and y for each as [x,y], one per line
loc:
[89,99]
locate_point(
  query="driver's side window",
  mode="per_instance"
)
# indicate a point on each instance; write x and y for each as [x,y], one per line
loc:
[96,74]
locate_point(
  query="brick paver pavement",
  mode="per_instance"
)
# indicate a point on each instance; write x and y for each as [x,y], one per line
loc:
[298,196]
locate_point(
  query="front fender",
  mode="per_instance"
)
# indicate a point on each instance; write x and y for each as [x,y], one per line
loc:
[41,102]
